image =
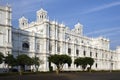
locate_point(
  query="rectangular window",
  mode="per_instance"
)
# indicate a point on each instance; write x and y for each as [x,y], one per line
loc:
[1,39]
[38,46]
[8,35]
[90,54]
[102,55]
[58,49]
[96,65]
[106,56]
[77,52]
[50,47]
[84,53]
[69,50]
[96,55]
[111,57]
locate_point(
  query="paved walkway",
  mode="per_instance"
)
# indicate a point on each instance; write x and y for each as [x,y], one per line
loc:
[67,76]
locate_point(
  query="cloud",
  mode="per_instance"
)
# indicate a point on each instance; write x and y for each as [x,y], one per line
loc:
[23,7]
[102,7]
[115,41]
[105,32]
[111,33]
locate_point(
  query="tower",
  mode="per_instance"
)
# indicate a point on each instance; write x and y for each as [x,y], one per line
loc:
[41,15]
[5,31]
[78,28]
[23,22]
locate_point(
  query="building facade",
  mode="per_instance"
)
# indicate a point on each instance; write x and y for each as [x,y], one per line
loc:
[43,38]
[5,31]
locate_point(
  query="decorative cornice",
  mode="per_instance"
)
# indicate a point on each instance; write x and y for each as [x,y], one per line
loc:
[5,25]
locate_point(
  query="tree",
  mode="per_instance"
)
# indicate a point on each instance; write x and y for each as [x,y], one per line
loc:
[10,60]
[36,61]
[1,57]
[90,62]
[78,61]
[59,61]
[83,62]
[23,60]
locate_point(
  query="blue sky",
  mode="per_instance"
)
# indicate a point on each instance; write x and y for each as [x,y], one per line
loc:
[99,17]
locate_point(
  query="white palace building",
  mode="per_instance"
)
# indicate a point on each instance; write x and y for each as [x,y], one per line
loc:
[43,38]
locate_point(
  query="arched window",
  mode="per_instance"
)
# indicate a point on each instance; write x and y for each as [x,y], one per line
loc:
[23,23]
[25,46]
[76,41]
[42,16]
